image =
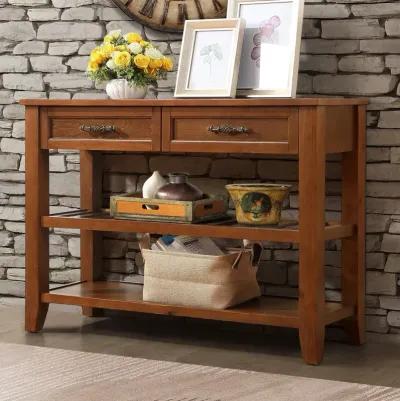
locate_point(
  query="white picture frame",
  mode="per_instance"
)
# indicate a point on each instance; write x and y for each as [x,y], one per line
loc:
[269,63]
[209,59]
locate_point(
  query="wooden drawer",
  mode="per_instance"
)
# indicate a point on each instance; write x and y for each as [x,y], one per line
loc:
[116,128]
[231,129]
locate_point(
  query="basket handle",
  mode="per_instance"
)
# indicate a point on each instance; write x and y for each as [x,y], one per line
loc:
[144,241]
[256,252]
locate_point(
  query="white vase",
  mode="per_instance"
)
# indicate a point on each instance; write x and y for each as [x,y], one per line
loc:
[120,89]
[153,184]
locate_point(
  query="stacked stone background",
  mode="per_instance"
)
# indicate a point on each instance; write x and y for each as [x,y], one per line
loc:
[349,47]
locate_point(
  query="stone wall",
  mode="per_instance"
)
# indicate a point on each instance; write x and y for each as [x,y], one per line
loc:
[350,47]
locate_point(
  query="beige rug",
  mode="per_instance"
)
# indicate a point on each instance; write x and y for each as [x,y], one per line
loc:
[44,374]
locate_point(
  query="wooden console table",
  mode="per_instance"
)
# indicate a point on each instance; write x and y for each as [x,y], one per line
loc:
[310,128]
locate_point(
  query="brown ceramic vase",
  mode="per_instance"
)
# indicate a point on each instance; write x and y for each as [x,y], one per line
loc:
[179,189]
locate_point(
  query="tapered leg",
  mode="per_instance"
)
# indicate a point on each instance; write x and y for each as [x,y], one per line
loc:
[91,193]
[37,238]
[353,248]
[312,241]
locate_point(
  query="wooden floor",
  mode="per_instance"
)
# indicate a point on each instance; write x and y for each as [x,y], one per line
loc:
[122,296]
[209,343]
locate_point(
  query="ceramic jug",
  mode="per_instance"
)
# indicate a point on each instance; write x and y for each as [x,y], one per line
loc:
[179,189]
[152,185]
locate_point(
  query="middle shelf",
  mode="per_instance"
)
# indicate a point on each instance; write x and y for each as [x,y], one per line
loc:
[84,220]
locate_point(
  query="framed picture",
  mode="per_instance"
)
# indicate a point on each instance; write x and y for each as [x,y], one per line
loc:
[210,56]
[270,55]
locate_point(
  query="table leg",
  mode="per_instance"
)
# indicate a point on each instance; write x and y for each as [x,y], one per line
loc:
[312,241]
[91,196]
[37,237]
[353,248]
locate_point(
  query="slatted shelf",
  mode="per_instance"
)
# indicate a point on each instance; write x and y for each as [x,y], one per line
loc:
[286,232]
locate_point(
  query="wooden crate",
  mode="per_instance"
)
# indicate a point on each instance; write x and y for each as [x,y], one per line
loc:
[131,206]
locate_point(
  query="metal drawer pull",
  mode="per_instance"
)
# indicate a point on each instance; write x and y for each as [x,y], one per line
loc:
[228,129]
[98,128]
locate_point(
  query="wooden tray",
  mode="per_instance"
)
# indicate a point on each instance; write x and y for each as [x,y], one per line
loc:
[131,206]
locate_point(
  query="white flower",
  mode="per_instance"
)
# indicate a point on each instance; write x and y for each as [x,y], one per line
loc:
[154,53]
[135,48]
[115,34]
[111,65]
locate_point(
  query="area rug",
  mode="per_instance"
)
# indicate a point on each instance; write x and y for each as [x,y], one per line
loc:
[30,373]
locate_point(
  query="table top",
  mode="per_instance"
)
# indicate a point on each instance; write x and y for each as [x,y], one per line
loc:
[248,102]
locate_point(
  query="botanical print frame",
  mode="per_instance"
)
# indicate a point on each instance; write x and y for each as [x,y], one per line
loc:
[271,46]
[209,59]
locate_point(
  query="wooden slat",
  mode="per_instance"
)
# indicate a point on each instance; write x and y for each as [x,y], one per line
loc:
[274,311]
[337,314]
[101,144]
[299,101]
[105,223]
[338,231]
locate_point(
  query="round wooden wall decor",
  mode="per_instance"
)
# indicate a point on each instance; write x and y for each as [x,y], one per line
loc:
[170,15]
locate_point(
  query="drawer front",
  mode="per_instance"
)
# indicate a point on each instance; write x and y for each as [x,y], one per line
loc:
[118,128]
[231,129]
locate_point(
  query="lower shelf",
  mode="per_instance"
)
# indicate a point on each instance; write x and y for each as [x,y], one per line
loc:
[272,311]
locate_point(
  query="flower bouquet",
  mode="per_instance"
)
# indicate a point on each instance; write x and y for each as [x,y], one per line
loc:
[128,63]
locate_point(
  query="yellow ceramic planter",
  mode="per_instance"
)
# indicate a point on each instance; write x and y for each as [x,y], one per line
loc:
[258,204]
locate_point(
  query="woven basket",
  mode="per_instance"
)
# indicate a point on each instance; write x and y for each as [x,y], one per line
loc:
[199,281]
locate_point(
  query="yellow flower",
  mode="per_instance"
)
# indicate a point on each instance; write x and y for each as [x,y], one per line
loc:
[141,61]
[133,37]
[92,66]
[152,72]
[121,48]
[144,43]
[108,39]
[107,50]
[112,35]
[122,59]
[96,57]
[155,63]
[167,64]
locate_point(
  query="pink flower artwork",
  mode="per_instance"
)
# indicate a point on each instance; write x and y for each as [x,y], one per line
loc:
[265,33]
